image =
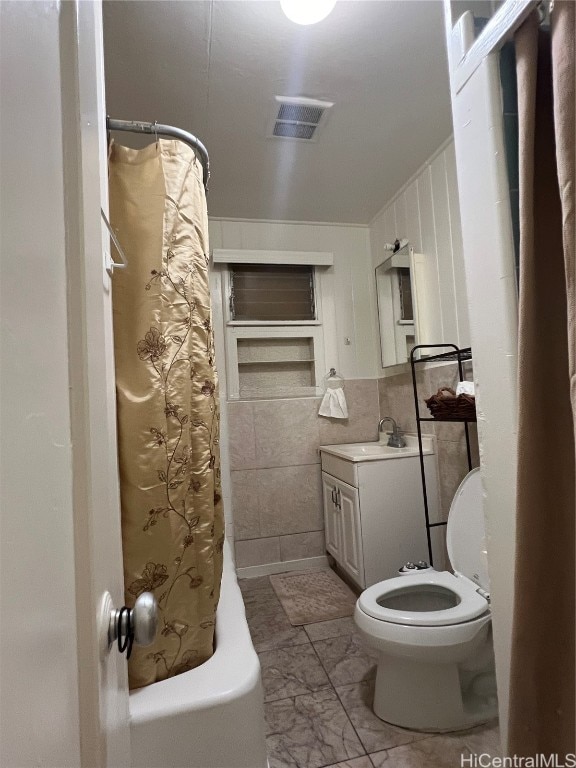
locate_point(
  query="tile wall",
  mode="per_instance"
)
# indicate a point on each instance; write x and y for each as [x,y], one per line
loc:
[275,463]
[275,470]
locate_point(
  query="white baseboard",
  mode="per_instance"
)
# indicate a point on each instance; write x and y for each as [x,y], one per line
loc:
[251,571]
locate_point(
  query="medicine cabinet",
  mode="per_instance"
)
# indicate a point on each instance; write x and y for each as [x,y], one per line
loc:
[405,304]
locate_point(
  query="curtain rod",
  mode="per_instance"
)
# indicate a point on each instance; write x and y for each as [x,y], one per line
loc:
[135,126]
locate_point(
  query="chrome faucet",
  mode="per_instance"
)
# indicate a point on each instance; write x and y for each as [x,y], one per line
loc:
[396,439]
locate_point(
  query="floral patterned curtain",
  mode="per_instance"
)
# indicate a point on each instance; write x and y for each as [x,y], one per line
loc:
[167,398]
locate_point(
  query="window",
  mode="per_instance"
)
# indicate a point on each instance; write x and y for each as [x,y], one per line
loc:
[274,336]
[272,292]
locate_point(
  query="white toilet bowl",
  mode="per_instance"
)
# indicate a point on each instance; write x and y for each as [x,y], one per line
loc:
[432,632]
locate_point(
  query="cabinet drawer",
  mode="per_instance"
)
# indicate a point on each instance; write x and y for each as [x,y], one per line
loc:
[340,468]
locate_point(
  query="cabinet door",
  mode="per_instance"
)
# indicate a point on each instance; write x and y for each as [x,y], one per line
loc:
[331,516]
[351,548]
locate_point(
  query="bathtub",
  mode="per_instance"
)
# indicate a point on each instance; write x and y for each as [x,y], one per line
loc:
[212,716]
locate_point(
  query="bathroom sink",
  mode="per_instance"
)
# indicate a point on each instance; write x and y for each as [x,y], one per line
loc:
[376,451]
[373,450]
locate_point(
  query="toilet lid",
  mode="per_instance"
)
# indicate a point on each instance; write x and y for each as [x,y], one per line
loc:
[466,532]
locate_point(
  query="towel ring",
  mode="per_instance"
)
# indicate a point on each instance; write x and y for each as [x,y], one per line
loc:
[333,380]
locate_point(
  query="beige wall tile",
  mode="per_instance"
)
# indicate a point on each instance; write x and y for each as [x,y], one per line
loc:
[286,432]
[299,545]
[257,552]
[363,415]
[241,437]
[383,395]
[246,512]
[442,376]
[397,400]
[452,468]
[439,551]
[396,397]
[449,431]
[454,432]
[290,500]
[474,444]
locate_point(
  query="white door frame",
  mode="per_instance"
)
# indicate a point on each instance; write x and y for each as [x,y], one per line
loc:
[103,682]
[492,292]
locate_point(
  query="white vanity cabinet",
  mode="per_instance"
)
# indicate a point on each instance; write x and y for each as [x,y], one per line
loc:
[374,509]
[342,525]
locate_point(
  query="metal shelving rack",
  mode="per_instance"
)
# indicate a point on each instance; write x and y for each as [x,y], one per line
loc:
[456,355]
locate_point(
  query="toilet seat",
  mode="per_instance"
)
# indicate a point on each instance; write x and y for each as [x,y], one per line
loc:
[471,604]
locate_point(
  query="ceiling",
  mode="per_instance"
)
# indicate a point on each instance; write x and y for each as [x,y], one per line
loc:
[214,67]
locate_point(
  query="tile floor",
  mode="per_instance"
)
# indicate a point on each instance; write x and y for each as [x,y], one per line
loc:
[318,683]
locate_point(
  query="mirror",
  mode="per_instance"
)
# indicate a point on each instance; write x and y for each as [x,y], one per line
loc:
[396,306]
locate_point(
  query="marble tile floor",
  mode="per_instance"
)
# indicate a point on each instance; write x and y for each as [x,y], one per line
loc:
[318,687]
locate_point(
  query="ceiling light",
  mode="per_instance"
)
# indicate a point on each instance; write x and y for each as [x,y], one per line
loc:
[307,11]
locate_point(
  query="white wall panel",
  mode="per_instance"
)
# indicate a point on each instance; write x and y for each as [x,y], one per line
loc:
[426,211]
[457,248]
[389,226]
[364,304]
[428,234]
[400,215]
[444,249]
[215,233]
[344,302]
[346,290]
[413,217]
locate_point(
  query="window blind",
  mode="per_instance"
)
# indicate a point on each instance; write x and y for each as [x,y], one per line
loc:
[270,292]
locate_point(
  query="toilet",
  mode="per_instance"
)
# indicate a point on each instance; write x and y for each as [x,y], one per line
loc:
[432,631]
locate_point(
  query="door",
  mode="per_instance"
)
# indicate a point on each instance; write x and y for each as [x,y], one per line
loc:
[64,698]
[332,527]
[351,549]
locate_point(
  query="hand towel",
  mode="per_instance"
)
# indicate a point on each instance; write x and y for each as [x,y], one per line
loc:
[333,404]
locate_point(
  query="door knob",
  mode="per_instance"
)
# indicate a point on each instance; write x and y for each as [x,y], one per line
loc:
[134,625]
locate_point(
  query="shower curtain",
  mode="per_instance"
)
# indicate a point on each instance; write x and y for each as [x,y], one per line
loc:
[542,675]
[167,400]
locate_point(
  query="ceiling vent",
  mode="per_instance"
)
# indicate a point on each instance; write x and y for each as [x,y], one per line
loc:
[298,118]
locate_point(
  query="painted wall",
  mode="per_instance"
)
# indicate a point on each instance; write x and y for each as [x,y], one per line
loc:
[39,712]
[426,212]
[348,300]
[270,459]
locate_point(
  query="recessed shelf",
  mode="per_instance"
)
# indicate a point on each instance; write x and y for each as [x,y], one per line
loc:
[275,362]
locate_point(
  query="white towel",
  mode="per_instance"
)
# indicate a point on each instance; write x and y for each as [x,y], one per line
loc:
[333,404]
[465,388]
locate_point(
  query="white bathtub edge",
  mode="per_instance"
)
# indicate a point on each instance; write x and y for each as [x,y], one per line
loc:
[219,680]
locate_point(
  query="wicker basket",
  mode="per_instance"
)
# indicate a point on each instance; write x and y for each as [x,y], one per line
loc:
[446,406]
